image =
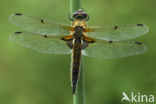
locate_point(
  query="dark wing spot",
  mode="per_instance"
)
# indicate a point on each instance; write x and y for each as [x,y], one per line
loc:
[115,27]
[18,14]
[140,24]
[42,20]
[18,32]
[45,36]
[138,43]
[110,41]
[92,41]
[64,39]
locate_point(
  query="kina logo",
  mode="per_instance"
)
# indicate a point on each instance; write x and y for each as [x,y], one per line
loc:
[137,98]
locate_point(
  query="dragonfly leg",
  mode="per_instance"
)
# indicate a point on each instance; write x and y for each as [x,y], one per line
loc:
[87,18]
[70,17]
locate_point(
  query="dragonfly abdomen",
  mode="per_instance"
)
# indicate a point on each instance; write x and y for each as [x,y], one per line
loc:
[76,59]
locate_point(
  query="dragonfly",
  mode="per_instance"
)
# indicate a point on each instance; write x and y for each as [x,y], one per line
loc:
[77,39]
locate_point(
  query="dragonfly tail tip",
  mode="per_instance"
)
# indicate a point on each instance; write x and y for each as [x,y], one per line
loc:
[74,90]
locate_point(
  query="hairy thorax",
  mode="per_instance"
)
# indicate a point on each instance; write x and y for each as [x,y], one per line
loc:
[79,23]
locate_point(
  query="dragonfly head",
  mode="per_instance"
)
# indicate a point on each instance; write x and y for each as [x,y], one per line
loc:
[80,14]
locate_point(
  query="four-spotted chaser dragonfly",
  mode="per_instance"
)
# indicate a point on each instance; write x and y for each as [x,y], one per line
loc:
[78,39]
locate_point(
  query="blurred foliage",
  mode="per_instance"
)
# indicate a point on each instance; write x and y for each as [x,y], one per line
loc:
[29,77]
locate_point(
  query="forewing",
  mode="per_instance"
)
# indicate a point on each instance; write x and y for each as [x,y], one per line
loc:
[38,26]
[110,49]
[41,43]
[118,33]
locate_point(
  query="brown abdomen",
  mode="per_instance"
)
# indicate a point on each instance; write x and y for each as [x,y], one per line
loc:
[76,58]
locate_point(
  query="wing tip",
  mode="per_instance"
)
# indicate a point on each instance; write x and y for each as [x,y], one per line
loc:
[145,27]
[14,14]
[12,35]
[143,48]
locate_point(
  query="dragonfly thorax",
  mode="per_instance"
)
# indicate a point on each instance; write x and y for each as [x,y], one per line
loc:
[79,29]
[78,32]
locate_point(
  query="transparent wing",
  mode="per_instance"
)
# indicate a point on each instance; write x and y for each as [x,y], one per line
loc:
[118,33]
[38,26]
[110,49]
[41,43]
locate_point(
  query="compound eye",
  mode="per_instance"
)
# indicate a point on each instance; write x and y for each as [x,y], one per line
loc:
[84,15]
[74,15]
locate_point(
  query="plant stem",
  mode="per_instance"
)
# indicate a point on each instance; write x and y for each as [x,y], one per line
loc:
[79,96]
[74,5]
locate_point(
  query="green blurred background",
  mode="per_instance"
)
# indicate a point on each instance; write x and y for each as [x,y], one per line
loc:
[29,77]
